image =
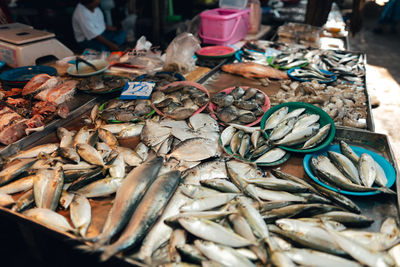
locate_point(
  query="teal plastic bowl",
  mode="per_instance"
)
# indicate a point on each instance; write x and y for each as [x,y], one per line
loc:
[310,109]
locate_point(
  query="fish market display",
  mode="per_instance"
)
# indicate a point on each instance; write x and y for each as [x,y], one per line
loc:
[349,171]
[179,100]
[102,83]
[240,105]
[344,103]
[254,70]
[125,110]
[295,128]
[250,145]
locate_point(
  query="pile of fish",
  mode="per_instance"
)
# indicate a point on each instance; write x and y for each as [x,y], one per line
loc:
[102,83]
[179,102]
[346,104]
[161,79]
[313,73]
[293,128]
[249,144]
[28,109]
[125,110]
[289,60]
[349,171]
[240,106]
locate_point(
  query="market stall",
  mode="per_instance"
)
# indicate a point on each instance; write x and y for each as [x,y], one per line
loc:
[269,158]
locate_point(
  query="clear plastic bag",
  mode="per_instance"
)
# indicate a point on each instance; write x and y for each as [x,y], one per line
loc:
[180,52]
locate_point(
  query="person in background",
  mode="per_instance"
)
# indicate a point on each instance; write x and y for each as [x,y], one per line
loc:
[390,16]
[90,29]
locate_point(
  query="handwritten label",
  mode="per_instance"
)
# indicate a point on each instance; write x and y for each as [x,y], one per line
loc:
[137,90]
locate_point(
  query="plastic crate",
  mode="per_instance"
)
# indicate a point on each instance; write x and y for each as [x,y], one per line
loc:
[223,26]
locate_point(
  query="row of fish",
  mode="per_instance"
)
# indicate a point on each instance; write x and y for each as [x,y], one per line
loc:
[346,104]
[249,144]
[312,73]
[102,83]
[241,105]
[180,101]
[289,60]
[125,110]
[294,128]
[349,171]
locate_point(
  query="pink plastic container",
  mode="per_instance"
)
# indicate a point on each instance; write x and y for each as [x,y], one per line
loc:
[223,26]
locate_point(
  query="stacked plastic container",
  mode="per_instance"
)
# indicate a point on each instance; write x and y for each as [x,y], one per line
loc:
[225,25]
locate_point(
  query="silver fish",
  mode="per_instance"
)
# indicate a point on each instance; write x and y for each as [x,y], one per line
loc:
[66,198]
[9,173]
[49,218]
[222,254]
[222,185]
[89,154]
[66,137]
[195,149]
[227,134]
[197,191]
[131,131]
[34,151]
[107,137]
[204,171]
[305,120]
[24,201]
[153,133]
[308,257]
[348,152]
[318,137]
[142,150]
[146,213]
[19,185]
[101,188]
[80,213]
[276,117]
[47,187]
[367,169]
[282,129]
[130,156]
[208,203]
[345,165]
[212,231]
[128,194]
[178,238]
[82,136]
[116,128]
[244,145]
[298,137]
[253,217]
[254,138]
[381,178]
[272,155]
[69,153]
[236,141]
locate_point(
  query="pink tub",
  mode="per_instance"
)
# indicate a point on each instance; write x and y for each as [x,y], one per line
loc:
[223,26]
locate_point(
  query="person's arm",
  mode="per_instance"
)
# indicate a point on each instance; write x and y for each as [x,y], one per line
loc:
[108,43]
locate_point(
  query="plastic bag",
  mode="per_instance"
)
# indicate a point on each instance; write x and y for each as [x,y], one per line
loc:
[180,52]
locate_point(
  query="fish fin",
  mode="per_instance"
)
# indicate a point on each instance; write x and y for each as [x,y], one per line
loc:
[386,190]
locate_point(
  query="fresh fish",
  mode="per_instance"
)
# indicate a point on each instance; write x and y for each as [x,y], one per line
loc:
[236,141]
[130,156]
[19,185]
[282,129]
[298,137]
[220,184]
[107,137]
[222,99]
[153,133]
[6,200]
[69,153]
[373,240]
[358,252]
[254,70]
[279,184]
[346,218]
[296,209]
[89,154]
[80,213]
[272,155]
[117,169]
[222,254]
[227,134]
[49,218]
[195,149]
[204,122]
[308,257]
[237,92]
[173,221]
[24,201]
[82,136]
[294,114]
[290,177]
[261,151]
[348,152]
[34,152]
[142,150]
[250,93]
[209,202]
[66,199]
[276,118]
[85,179]
[116,128]
[82,165]
[254,138]
[160,232]
[305,120]
[131,190]
[228,114]
[212,231]
[390,228]
[235,175]
[190,253]
[9,173]
[246,129]
[345,165]
[197,191]
[204,171]
[100,188]
[253,217]
[367,169]
[145,214]
[131,131]
[318,137]
[244,146]
[381,178]
[178,238]
[66,137]
[47,187]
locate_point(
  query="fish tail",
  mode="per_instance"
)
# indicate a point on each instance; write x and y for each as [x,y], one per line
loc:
[108,253]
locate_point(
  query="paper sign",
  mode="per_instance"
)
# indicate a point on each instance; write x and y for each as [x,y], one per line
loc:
[137,90]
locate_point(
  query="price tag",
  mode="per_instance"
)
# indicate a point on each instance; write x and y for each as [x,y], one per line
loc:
[137,90]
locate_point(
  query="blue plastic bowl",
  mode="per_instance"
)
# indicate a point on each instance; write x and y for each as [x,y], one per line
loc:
[386,166]
[334,78]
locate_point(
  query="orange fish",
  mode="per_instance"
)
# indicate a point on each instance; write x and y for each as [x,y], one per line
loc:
[254,70]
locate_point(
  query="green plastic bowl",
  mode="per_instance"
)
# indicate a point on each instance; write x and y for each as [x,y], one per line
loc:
[310,109]
[271,59]
[228,150]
